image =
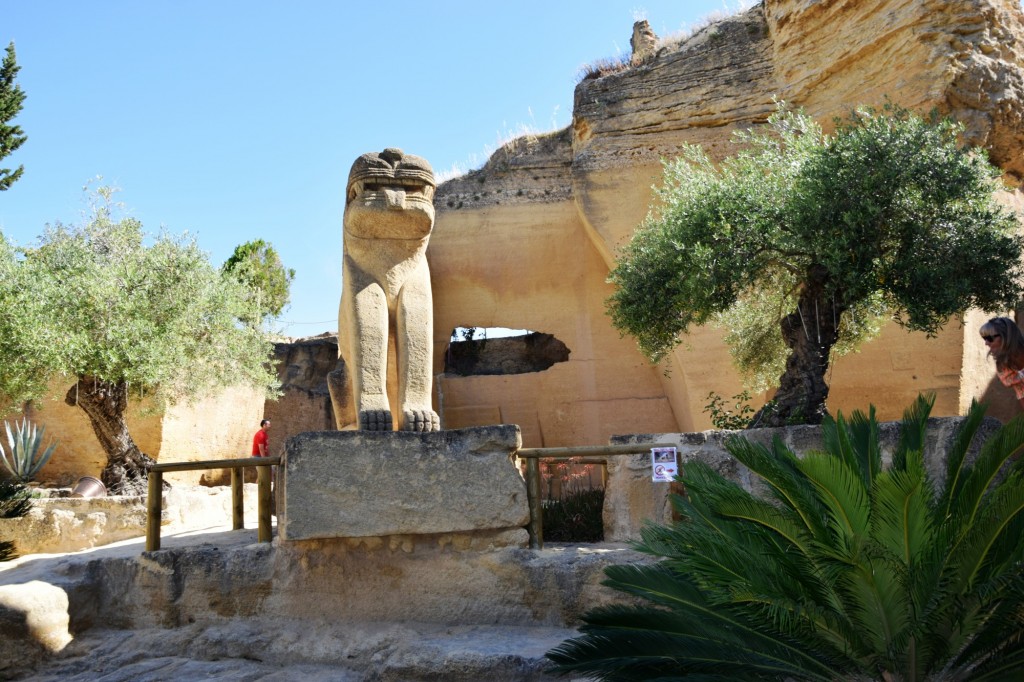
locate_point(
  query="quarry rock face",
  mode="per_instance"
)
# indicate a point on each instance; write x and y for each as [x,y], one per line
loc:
[527,241]
[217,426]
[305,400]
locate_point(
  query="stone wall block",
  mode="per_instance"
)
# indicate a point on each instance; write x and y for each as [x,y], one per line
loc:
[632,499]
[368,484]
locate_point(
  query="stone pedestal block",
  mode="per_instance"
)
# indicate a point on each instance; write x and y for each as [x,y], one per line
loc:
[348,484]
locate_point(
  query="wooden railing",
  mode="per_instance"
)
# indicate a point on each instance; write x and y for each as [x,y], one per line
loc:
[594,454]
[262,464]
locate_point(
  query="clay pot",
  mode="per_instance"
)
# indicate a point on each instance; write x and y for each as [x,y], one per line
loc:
[88,486]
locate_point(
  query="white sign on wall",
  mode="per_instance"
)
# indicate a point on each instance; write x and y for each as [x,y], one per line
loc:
[663,465]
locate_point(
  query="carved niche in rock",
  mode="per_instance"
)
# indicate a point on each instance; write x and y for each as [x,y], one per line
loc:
[386,300]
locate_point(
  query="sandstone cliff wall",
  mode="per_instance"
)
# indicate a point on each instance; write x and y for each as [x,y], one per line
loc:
[219,426]
[305,403]
[527,241]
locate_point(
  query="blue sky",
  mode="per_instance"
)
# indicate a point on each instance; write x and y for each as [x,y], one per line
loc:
[237,120]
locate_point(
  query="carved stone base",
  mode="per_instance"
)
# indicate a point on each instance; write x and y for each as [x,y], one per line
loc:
[351,484]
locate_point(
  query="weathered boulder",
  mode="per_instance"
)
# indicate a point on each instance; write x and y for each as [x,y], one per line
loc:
[67,524]
[33,625]
[643,43]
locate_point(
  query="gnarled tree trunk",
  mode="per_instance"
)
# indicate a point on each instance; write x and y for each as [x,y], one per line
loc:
[105,403]
[809,332]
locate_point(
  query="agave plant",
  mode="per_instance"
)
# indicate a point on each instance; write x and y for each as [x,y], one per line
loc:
[25,459]
[849,571]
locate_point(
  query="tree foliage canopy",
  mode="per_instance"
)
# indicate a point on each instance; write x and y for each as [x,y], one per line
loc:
[258,266]
[11,99]
[29,346]
[819,234]
[99,300]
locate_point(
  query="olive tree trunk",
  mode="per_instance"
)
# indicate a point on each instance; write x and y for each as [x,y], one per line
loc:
[105,403]
[810,332]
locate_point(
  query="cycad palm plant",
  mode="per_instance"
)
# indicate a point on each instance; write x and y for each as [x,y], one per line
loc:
[850,570]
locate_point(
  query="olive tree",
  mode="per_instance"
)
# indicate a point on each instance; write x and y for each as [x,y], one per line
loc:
[801,239]
[123,315]
[29,347]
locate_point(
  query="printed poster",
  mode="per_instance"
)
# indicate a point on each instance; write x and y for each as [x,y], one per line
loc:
[663,465]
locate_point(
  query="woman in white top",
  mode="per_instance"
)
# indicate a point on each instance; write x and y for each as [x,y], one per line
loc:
[1006,345]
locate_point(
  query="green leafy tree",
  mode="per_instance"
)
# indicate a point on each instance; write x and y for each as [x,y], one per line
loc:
[129,316]
[11,99]
[257,265]
[849,570]
[815,235]
[29,345]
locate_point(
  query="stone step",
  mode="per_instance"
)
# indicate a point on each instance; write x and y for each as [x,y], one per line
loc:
[271,650]
[218,605]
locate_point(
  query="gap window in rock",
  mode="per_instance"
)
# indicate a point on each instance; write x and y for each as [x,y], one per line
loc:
[481,351]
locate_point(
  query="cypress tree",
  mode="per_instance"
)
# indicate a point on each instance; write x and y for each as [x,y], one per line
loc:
[11,99]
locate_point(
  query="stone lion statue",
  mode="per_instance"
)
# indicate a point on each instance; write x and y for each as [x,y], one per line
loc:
[385,320]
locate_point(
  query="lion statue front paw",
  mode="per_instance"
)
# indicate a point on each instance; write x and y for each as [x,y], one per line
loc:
[421,420]
[375,420]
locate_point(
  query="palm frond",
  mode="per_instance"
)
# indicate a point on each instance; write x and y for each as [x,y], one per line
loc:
[693,637]
[864,439]
[843,494]
[974,554]
[956,458]
[996,453]
[901,510]
[778,468]
[913,429]
[782,523]
[855,442]
[1004,667]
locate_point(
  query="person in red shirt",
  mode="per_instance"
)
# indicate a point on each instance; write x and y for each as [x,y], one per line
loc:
[260,448]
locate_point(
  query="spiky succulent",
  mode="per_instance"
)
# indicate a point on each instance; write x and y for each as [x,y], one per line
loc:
[24,459]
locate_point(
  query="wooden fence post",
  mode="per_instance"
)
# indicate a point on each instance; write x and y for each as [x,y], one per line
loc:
[536,527]
[237,507]
[263,504]
[153,509]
